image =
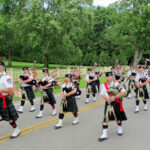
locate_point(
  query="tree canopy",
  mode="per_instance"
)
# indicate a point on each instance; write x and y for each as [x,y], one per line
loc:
[75,31]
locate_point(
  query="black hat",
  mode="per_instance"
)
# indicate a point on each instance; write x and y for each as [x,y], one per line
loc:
[109,74]
[89,69]
[2,63]
[25,68]
[45,70]
[68,76]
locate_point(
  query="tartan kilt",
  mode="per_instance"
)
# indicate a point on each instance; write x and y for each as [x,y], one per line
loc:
[120,115]
[93,88]
[29,93]
[71,105]
[145,92]
[50,97]
[10,112]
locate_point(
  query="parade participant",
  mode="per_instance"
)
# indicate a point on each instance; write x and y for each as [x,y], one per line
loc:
[98,75]
[131,75]
[76,80]
[26,82]
[112,92]
[46,87]
[7,109]
[68,103]
[142,93]
[91,85]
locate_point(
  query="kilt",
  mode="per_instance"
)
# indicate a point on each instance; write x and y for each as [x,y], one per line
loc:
[120,114]
[71,105]
[10,112]
[29,92]
[93,88]
[50,97]
[145,92]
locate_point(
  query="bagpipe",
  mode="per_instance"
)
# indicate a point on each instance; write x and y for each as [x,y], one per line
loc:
[68,90]
[24,78]
[44,83]
[141,93]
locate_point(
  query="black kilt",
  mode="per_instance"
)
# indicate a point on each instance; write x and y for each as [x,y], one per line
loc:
[93,87]
[145,92]
[10,112]
[71,104]
[29,92]
[120,115]
[51,99]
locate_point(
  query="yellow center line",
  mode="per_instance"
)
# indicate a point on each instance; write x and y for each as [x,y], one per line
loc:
[49,122]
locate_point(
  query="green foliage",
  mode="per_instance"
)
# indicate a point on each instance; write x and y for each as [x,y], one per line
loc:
[74,32]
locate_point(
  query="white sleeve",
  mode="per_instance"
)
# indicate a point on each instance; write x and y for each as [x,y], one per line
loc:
[30,76]
[137,78]
[104,91]
[129,73]
[87,78]
[8,82]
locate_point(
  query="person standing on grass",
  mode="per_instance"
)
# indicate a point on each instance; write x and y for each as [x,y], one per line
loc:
[26,83]
[7,109]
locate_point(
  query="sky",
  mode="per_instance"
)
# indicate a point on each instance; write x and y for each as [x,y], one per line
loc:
[104,3]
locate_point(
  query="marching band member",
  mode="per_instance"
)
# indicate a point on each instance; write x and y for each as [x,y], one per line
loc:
[114,102]
[141,90]
[7,109]
[91,86]
[68,103]
[46,86]
[26,81]
[97,74]
[76,80]
[131,75]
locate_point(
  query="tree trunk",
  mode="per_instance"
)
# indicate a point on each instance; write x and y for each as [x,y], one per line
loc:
[138,55]
[46,58]
[9,57]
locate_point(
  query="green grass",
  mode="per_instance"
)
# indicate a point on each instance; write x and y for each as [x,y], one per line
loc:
[38,66]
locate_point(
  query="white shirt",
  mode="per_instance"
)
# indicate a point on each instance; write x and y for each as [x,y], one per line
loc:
[142,75]
[5,82]
[30,77]
[68,86]
[87,76]
[49,79]
[111,85]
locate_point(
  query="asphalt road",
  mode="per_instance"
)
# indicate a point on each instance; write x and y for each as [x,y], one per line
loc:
[39,134]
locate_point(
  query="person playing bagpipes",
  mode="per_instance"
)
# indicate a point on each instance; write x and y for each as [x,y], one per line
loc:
[26,82]
[91,85]
[68,103]
[142,92]
[112,92]
[46,87]
[7,109]
[131,75]
[98,74]
[76,80]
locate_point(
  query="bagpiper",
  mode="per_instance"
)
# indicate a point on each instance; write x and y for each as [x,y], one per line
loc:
[26,83]
[7,109]
[46,87]
[91,85]
[68,103]
[112,92]
[141,90]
